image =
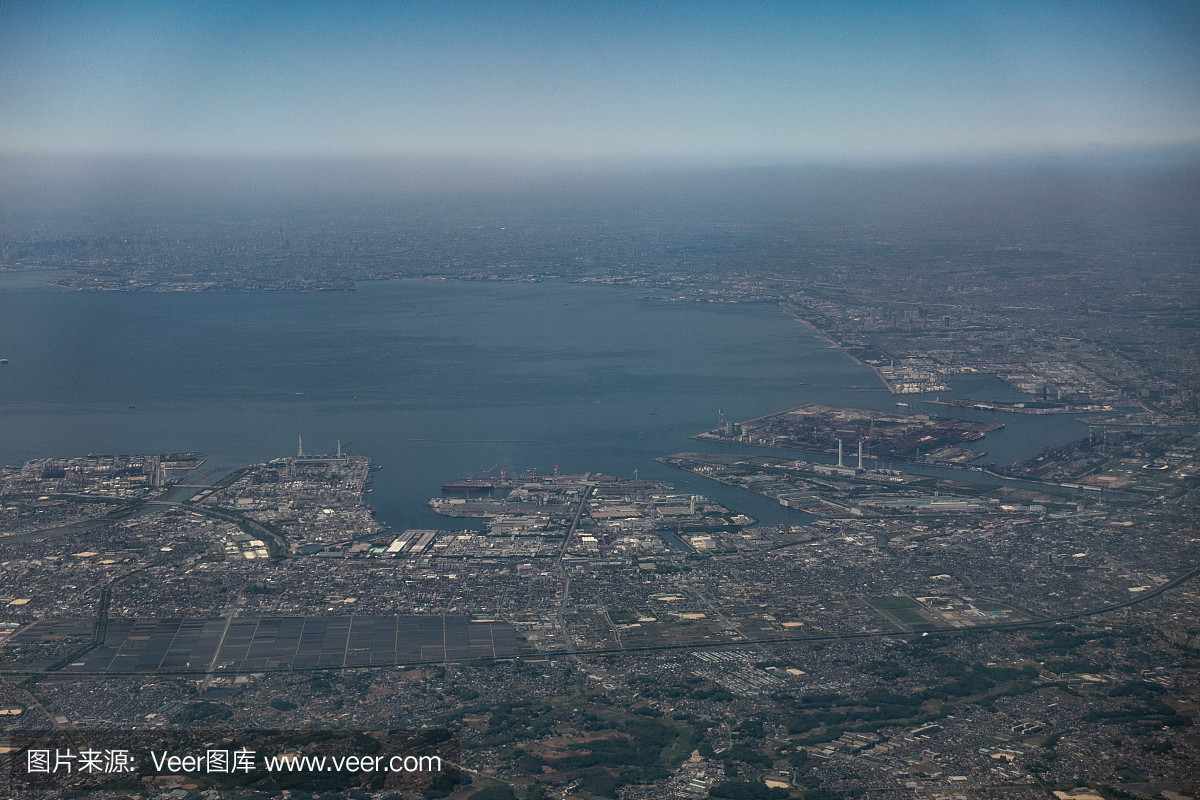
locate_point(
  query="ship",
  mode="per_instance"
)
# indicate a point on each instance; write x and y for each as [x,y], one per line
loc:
[469,486]
[479,485]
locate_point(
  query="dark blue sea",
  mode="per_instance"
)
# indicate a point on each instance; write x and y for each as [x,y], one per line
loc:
[432,379]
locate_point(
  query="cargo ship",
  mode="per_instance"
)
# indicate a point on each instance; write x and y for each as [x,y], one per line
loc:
[469,486]
[479,485]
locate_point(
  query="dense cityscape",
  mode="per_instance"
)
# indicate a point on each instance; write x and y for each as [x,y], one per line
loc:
[990,630]
[600,400]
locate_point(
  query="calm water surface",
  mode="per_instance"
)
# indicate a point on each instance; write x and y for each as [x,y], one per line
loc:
[432,379]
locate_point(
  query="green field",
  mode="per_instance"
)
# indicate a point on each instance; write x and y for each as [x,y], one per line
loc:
[905,609]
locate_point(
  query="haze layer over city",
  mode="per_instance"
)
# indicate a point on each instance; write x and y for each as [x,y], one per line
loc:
[603,400]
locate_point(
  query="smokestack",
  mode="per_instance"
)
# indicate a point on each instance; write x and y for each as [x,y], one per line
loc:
[840,464]
[860,455]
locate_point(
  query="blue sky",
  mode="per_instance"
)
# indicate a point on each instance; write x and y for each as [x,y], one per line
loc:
[735,82]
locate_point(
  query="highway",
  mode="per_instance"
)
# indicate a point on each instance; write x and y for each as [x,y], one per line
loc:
[561,615]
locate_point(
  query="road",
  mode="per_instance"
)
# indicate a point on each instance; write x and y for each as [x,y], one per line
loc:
[561,616]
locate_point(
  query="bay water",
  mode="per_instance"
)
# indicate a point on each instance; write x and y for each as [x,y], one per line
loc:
[433,379]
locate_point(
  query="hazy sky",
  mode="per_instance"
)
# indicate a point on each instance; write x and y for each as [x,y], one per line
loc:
[743,81]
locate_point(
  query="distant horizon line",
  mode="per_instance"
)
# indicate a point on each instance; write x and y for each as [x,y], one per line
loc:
[1187,150]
